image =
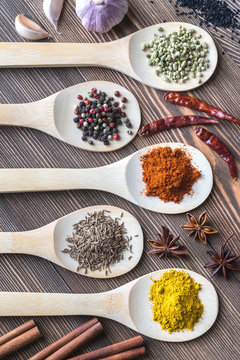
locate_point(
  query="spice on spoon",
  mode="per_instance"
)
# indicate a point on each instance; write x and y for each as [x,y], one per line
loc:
[98,241]
[178,55]
[172,123]
[99,116]
[165,244]
[222,260]
[198,228]
[176,303]
[197,104]
[217,145]
[168,174]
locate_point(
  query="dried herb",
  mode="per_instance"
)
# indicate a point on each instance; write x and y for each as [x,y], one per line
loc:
[97,242]
[198,228]
[222,261]
[165,244]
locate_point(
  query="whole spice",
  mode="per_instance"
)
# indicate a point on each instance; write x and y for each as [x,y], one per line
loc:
[101,15]
[172,123]
[214,12]
[52,10]
[222,260]
[168,174]
[98,242]
[119,348]
[197,104]
[217,145]
[28,29]
[176,303]
[198,228]
[99,116]
[66,345]
[177,55]
[19,338]
[165,244]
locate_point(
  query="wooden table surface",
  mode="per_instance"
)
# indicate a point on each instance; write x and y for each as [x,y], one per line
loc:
[21,147]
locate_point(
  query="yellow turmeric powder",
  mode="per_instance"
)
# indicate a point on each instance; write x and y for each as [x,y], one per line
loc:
[176,304]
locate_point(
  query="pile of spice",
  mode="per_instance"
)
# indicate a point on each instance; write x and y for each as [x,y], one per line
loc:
[178,55]
[97,242]
[98,116]
[211,12]
[168,174]
[176,304]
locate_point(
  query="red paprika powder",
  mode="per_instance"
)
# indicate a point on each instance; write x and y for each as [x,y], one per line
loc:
[168,174]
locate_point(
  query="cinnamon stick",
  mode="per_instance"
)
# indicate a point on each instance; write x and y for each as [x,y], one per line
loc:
[17,331]
[19,342]
[128,355]
[64,340]
[80,340]
[112,349]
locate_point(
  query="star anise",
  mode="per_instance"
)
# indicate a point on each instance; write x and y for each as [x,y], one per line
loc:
[222,261]
[197,227]
[165,244]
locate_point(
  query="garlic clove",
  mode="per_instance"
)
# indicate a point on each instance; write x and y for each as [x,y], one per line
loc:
[52,10]
[28,29]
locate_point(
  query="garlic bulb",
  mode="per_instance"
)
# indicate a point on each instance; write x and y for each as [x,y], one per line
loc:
[101,15]
[52,10]
[29,29]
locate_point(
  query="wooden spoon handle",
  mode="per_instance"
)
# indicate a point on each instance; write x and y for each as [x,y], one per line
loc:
[43,304]
[112,54]
[109,178]
[38,242]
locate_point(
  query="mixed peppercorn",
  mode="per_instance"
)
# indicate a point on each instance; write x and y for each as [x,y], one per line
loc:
[99,116]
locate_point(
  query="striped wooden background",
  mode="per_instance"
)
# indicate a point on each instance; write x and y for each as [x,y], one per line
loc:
[29,148]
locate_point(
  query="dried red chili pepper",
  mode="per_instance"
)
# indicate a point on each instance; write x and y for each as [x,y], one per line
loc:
[197,104]
[217,145]
[173,122]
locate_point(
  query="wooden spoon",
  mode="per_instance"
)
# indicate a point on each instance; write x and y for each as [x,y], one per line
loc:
[124,55]
[49,241]
[128,304]
[123,178]
[54,115]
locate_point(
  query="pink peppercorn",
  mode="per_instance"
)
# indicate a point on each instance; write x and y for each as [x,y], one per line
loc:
[81,121]
[88,102]
[101,108]
[117,93]
[94,90]
[119,109]
[104,119]
[106,109]
[116,137]
[79,97]
[76,112]
[96,96]
[90,120]
[92,111]
[124,100]
[111,125]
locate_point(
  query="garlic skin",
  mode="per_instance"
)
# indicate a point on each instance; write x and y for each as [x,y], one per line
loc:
[101,15]
[28,29]
[52,10]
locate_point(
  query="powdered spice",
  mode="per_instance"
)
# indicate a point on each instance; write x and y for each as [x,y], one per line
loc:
[168,174]
[176,303]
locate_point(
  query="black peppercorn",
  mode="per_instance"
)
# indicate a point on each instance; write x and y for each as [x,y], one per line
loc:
[76,119]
